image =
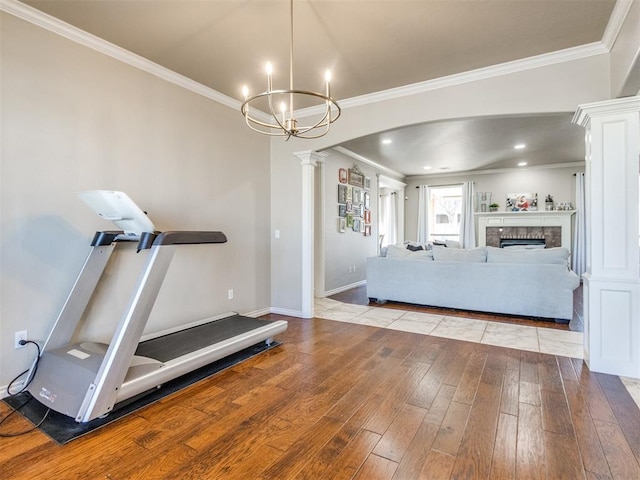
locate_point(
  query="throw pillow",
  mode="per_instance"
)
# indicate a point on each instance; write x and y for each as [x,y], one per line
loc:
[397,251]
[443,254]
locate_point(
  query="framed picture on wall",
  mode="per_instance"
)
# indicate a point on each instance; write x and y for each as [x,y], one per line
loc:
[367,216]
[342,210]
[367,183]
[349,220]
[356,224]
[342,225]
[342,175]
[342,193]
[356,178]
[367,230]
[366,200]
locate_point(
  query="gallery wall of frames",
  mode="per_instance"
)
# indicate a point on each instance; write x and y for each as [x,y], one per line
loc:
[354,201]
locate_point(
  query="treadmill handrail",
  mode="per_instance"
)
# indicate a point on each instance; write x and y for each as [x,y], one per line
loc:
[188,237]
[148,239]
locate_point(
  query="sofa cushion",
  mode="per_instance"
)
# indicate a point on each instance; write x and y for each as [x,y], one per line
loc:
[558,255]
[443,254]
[401,251]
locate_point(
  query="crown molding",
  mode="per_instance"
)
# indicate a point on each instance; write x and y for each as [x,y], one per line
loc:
[362,159]
[617,18]
[515,66]
[491,171]
[57,26]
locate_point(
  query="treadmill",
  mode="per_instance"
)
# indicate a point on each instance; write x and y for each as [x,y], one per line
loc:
[86,380]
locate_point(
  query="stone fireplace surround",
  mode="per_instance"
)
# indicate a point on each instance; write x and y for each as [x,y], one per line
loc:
[552,236]
[554,226]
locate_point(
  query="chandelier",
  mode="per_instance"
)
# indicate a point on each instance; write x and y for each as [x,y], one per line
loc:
[283,122]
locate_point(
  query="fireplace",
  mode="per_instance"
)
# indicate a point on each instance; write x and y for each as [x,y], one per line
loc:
[548,236]
[554,228]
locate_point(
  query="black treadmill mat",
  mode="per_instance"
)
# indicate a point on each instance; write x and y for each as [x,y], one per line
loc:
[63,429]
[177,344]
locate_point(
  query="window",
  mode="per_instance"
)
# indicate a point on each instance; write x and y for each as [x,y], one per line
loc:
[445,212]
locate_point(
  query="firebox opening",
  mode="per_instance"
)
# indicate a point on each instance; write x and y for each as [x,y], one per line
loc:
[511,242]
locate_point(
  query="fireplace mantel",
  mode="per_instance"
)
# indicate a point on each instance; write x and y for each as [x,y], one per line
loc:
[542,218]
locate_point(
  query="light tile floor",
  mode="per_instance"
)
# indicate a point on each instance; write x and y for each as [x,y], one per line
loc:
[520,337]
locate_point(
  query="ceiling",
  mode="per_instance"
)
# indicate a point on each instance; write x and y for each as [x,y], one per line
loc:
[370,46]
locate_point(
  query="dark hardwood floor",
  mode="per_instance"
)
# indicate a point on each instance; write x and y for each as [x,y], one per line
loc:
[346,401]
[358,296]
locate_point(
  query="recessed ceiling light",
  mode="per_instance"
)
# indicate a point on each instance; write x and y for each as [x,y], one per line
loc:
[428,167]
[386,141]
[519,146]
[522,164]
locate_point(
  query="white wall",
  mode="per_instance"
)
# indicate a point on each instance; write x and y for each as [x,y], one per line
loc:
[74,119]
[559,182]
[625,56]
[349,249]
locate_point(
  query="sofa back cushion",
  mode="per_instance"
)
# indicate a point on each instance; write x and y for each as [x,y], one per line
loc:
[514,255]
[401,251]
[443,254]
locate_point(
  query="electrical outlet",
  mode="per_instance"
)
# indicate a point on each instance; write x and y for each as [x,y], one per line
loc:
[230,294]
[21,335]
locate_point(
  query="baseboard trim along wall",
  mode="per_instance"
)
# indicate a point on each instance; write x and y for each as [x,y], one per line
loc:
[341,289]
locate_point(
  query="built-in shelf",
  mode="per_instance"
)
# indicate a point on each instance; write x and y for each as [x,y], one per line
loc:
[527,213]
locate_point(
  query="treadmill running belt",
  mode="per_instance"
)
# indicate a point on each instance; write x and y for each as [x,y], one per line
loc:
[176,344]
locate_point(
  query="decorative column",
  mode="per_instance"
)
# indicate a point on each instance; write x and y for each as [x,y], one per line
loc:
[308,160]
[612,280]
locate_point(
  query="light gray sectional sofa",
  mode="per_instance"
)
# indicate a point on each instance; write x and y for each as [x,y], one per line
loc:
[536,283]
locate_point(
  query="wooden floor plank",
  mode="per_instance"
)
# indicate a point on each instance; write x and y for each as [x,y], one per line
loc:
[530,460]
[351,458]
[437,466]
[376,468]
[415,457]
[624,408]
[562,457]
[440,408]
[593,457]
[396,440]
[620,458]
[476,449]
[503,461]
[452,429]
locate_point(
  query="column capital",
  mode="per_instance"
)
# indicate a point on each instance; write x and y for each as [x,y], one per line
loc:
[585,112]
[309,157]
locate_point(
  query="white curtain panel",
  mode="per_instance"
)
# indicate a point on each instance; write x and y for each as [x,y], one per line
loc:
[392,224]
[388,219]
[579,254]
[467,224]
[423,214]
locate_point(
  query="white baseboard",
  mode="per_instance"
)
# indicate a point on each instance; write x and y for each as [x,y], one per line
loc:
[286,311]
[342,289]
[15,388]
[258,313]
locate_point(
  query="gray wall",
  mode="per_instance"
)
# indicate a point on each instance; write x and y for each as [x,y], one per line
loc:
[559,182]
[349,249]
[74,119]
